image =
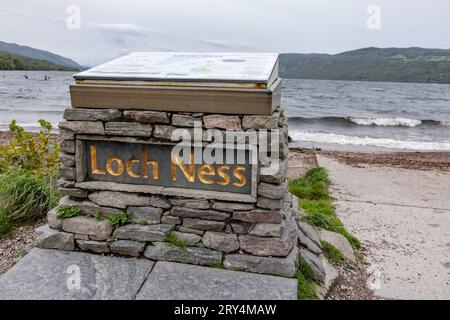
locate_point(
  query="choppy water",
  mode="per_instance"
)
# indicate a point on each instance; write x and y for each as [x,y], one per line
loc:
[378,114]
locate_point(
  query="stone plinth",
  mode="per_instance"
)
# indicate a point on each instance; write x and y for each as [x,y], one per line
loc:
[252,230]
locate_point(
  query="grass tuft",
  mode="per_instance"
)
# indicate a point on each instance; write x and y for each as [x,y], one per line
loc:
[316,201]
[64,212]
[305,278]
[120,219]
[172,239]
[332,253]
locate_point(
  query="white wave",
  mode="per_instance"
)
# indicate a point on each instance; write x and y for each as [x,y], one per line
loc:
[386,121]
[320,137]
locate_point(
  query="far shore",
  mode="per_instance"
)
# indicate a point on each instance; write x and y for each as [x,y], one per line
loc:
[354,155]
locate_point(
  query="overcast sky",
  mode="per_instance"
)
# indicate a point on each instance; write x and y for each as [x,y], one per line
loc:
[113,28]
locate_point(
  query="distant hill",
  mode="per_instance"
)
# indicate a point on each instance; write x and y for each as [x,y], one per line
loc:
[33,53]
[371,64]
[10,61]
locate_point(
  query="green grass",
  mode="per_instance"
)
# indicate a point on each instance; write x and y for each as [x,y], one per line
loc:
[332,253]
[316,201]
[24,199]
[120,219]
[172,239]
[64,212]
[305,278]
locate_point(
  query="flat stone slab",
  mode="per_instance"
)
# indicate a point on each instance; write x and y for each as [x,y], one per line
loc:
[176,281]
[63,275]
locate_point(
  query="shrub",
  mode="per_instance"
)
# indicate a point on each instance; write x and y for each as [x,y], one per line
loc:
[31,152]
[67,212]
[119,219]
[24,198]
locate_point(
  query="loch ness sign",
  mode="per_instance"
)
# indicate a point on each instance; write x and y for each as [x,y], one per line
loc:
[154,164]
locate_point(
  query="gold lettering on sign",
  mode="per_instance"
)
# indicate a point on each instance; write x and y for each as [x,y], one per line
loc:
[242,179]
[189,173]
[129,168]
[206,170]
[146,163]
[225,176]
[109,166]
[94,168]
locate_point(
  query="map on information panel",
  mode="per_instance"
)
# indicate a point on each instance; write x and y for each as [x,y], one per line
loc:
[185,66]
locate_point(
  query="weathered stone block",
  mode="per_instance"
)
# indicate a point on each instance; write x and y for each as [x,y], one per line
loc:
[48,238]
[52,219]
[340,242]
[278,247]
[63,183]
[200,214]
[146,116]
[182,120]
[94,246]
[193,255]
[67,146]
[189,230]
[163,132]
[220,241]
[232,206]
[309,232]
[266,203]
[73,192]
[285,267]
[82,237]
[96,229]
[261,122]
[315,263]
[128,129]
[277,177]
[138,232]
[168,219]
[219,121]
[119,200]
[122,187]
[190,203]
[127,247]
[83,127]
[66,134]
[67,173]
[272,191]
[266,229]
[189,238]
[304,241]
[88,207]
[259,216]
[240,227]
[68,160]
[75,114]
[206,225]
[150,215]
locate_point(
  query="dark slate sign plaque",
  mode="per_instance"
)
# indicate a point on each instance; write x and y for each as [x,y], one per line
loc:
[152,164]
